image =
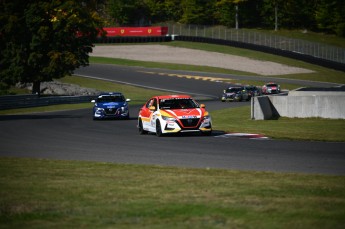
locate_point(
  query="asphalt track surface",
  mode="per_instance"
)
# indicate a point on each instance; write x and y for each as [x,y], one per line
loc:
[73,135]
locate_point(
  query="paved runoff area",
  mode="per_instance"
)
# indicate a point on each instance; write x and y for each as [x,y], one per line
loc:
[167,54]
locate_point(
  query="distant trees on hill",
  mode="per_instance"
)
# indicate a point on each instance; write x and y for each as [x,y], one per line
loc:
[317,15]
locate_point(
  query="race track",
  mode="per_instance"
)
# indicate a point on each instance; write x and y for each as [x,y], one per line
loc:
[73,135]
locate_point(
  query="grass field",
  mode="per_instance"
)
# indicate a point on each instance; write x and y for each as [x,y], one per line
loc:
[69,194]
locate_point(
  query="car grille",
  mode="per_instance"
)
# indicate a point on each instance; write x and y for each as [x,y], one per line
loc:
[110,111]
[191,122]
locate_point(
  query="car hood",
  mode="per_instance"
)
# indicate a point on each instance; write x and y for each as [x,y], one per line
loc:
[184,113]
[230,94]
[111,104]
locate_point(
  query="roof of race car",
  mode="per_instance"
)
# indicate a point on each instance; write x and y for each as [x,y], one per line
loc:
[110,94]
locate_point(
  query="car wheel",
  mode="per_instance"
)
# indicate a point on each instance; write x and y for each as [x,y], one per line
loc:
[207,133]
[158,129]
[140,127]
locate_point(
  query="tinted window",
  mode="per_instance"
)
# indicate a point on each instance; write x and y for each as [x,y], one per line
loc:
[233,89]
[177,104]
[110,98]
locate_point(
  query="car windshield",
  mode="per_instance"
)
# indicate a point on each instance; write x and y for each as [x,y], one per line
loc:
[177,104]
[233,90]
[251,88]
[110,98]
[272,85]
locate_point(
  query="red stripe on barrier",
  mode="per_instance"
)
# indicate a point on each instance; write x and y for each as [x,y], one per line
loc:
[136,31]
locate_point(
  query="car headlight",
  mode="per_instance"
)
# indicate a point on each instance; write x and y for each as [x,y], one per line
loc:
[166,118]
[207,117]
[99,109]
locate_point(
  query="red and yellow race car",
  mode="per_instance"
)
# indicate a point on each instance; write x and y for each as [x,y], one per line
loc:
[173,114]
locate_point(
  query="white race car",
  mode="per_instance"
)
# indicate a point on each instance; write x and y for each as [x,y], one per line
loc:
[173,114]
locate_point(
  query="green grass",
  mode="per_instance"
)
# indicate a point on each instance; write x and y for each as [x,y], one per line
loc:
[69,194]
[323,38]
[136,94]
[315,129]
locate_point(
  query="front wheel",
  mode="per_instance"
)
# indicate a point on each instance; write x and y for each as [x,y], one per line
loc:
[140,127]
[158,129]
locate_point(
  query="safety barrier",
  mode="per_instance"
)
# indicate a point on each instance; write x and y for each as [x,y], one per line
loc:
[25,101]
[133,39]
[300,105]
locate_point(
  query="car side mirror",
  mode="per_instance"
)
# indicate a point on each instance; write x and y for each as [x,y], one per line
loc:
[152,108]
[202,105]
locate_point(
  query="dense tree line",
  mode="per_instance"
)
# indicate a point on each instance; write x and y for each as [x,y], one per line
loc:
[317,15]
[45,39]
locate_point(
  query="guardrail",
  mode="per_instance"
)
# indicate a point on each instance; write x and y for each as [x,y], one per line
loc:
[314,49]
[294,55]
[25,101]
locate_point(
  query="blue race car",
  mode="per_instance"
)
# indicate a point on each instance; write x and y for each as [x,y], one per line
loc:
[111,105]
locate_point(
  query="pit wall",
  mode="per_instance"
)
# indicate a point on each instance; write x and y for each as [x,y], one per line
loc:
[299,105]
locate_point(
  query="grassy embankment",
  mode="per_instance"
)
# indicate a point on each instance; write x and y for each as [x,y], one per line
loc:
[68,194]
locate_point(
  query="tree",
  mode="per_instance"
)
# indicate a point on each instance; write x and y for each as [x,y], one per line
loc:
[228,12]
[42,40]
[128,12]
[330,16]
[173,10]
[197,11]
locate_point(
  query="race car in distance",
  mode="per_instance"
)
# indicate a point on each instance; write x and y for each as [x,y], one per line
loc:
[253,90]
[235,94]
[271,88]
[173,114]
[110,105]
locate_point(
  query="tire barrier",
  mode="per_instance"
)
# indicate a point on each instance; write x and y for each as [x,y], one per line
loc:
[25,101]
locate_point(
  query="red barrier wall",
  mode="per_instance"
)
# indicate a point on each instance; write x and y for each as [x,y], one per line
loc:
[136,31]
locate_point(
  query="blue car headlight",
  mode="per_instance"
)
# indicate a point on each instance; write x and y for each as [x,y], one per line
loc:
[124,109]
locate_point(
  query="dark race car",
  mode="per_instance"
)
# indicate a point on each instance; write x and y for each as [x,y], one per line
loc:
[253,90]
[111,105]
[235,94]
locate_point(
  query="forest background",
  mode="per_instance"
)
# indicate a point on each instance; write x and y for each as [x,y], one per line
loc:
[316,15]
